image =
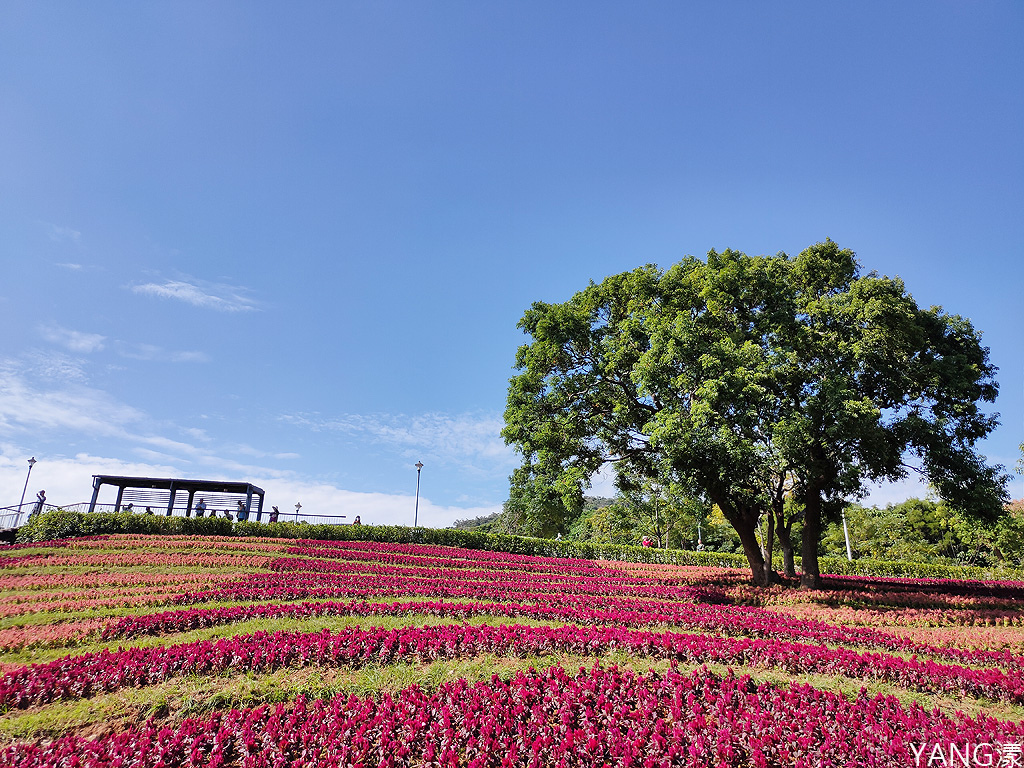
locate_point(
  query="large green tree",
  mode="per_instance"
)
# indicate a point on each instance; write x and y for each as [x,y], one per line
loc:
[748,380]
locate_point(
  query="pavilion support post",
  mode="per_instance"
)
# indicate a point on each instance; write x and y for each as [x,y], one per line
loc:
[259,508]
[170,501]
[95,494]
[120,494]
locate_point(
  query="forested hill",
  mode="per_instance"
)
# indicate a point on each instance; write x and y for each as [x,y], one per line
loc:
[483,523]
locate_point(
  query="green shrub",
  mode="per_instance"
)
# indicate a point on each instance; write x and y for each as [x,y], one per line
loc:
[61,524]
[912,570]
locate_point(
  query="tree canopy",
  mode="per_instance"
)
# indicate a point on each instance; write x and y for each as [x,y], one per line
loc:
[750,381]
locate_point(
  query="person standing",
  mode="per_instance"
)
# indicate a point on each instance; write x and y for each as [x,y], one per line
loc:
[201,508]
[40,503]
[275,513]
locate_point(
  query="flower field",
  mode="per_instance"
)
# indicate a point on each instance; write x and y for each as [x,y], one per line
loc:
[164,651]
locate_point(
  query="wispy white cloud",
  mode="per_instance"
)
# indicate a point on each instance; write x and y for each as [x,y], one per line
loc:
[168,445]
[87,343]
[27,408]
[72,267]
[63,234]
[470,440]
[151,455]
[52,366]
[153,352]
[189,357]
[39,412]
[76,341]
[222,298]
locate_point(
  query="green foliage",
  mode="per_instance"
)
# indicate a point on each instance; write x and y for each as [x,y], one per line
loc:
[1008,535]
[740,377]
[916,570]
[62,524]
[481,523]
[539,505]
[718,533]
[603,525]
[930,531]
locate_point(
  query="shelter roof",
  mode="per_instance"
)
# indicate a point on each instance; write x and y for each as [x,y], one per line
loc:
[166,483]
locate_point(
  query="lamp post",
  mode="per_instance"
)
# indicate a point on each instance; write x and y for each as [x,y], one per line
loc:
[416,517]
[298,506]
[31,463]
[655,494]
[846,533]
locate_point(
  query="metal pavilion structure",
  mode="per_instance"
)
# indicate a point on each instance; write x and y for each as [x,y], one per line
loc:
[168,495]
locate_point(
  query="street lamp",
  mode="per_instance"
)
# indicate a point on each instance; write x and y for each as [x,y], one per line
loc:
[846,533]
[31,463]
[416,517]
[298,506]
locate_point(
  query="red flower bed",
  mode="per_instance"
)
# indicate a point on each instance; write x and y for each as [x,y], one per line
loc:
[82,676]
[599,717]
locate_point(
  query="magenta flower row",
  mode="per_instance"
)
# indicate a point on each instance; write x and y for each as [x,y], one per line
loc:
[678,606]
[598,717]
[622,612]
[83,676]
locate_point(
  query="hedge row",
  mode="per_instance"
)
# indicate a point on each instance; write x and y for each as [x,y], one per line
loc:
[59,524]
[840,566]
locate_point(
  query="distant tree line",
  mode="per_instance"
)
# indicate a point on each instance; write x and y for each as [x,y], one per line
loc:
[481,523]
[916,530]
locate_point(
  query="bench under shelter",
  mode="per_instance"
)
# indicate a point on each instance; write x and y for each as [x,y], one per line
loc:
[168,495]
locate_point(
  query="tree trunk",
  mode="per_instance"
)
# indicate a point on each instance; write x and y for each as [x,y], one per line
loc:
[786,545]
[746,528]
[769,548]
[811,577]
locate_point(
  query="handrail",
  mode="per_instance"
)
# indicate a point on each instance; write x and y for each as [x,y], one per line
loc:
[10,516]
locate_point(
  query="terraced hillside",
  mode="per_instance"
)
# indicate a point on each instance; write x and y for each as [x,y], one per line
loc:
[161,651]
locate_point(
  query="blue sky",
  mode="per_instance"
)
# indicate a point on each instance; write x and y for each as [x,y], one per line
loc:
[289,243]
